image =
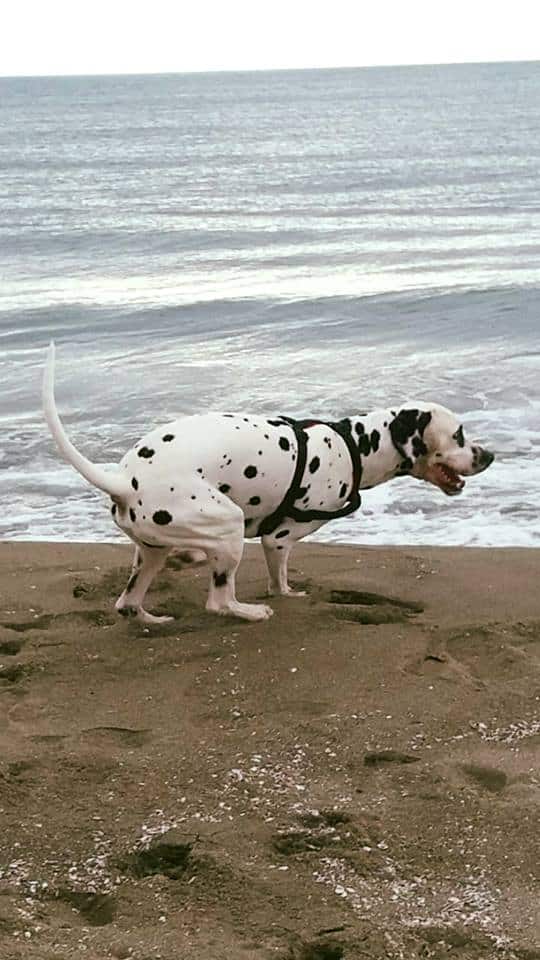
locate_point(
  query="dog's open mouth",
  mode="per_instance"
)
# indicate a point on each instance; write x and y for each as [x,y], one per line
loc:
[445,478]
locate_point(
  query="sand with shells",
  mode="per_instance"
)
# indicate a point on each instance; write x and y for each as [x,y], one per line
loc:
[356,778]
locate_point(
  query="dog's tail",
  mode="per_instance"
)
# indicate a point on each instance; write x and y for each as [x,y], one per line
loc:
[113,484]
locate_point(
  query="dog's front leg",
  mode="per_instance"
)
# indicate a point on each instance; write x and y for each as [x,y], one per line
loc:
[277,547]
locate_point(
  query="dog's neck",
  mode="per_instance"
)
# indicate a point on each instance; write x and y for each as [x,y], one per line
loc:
[381,460]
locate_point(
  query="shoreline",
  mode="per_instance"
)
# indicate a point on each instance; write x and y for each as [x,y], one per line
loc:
[356,775]
[322,544]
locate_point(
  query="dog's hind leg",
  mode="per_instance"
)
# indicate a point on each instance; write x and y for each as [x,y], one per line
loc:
[224,557]
[137,560]
[130,603]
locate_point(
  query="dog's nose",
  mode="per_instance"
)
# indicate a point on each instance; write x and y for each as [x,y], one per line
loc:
[485,458]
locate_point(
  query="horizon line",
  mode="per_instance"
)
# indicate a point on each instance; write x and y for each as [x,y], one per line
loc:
[237,70]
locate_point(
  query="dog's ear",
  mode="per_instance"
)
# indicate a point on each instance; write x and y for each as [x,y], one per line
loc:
[407,431]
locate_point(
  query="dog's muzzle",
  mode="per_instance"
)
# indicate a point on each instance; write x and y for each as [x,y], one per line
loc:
[448,480]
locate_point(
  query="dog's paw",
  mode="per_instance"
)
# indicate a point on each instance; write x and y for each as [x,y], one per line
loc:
[247,611]
[127,610]
[274,591]
[146,617]
[252,611]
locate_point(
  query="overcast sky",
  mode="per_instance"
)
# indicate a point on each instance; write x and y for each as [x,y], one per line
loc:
[127,36]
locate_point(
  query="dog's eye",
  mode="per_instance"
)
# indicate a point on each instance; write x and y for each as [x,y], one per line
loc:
[459,438]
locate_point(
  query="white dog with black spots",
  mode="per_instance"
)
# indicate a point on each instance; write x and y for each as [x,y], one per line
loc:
[201,484]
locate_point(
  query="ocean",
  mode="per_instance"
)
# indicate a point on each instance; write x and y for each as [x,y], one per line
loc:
[315,243]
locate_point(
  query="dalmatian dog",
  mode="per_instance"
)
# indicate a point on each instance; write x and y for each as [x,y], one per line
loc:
[201,484]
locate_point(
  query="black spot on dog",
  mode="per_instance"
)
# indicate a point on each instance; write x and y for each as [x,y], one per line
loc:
[302,492]
[284,443]
[409,424]
[139,502]
[275,423]
[168,437]
[229,415]
[418,446]
[146,453]
[404,425]
[364,444]
[282,533]
[113,509]
[459,438]
[161,517]
[423,421]
[280,547]
[250,472]
[314,465]
[135,483]
[343,490]
[131,582]
[359,427]
[220,579]
[132,514]
[224,487]
[375,438]
[193,497]
[199,469]
[254,501]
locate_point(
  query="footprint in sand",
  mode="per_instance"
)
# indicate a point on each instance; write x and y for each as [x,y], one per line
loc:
[10,648]
[15,672]
[42,622]
[116,736]
[372,608]
[96,909]
[328,948]
[490,778]
[481,655]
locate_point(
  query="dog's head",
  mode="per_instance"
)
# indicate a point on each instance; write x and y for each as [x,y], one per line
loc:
[434,448]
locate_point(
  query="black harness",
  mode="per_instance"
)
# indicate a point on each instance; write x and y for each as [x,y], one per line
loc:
[287,507]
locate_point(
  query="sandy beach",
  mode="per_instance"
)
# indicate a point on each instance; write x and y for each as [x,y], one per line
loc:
[356,778]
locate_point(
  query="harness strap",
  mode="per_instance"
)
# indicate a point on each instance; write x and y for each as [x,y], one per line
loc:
[287,508]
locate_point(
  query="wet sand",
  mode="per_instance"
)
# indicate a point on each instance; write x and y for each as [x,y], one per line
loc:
[356,778]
